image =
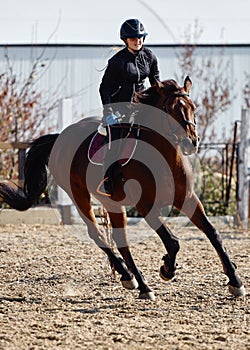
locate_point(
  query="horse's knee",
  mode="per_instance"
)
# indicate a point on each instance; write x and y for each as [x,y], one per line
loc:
[98,238]
[120,238]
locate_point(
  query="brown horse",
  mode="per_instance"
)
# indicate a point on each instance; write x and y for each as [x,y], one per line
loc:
[158,174]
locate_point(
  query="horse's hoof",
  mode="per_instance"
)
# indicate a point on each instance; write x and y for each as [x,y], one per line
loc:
[147,295]
[165,275]
[130,284]
[237,292]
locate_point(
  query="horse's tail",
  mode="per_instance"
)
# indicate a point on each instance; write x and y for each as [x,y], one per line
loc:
[35,175]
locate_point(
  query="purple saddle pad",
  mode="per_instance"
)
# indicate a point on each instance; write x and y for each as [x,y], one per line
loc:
[97,146]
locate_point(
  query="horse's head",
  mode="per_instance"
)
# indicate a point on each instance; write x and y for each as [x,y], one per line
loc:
[175,101]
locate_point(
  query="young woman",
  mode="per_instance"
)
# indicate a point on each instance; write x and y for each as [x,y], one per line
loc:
[128,68]
[125,74]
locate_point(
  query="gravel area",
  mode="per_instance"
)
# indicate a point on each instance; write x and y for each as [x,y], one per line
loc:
[57,293]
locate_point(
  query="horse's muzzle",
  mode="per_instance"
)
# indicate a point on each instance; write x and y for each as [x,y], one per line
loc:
[189,146]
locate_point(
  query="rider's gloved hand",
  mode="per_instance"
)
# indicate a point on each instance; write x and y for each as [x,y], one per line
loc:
[111,119]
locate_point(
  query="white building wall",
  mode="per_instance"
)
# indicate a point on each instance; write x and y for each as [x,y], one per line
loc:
[76,70]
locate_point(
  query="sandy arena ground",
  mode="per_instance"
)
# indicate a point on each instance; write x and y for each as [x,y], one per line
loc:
[56,294]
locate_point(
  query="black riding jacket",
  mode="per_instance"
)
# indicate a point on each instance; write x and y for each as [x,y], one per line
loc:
[125,74]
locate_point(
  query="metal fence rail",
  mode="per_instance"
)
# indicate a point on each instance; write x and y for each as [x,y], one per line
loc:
[216,179]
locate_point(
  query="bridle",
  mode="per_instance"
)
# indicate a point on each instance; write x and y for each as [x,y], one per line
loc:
[187,122]
[173,131]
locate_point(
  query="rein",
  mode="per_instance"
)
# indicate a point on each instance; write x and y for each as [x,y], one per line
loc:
[139,127]
[187,122]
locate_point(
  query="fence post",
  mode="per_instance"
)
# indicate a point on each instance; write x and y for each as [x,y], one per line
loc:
[243,191]
[64,119]
[21,162]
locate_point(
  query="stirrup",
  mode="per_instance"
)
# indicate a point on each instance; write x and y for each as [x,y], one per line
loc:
[98,190]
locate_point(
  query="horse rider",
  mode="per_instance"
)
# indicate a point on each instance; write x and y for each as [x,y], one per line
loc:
[124,75]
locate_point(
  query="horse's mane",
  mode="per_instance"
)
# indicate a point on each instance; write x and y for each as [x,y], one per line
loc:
[150,96]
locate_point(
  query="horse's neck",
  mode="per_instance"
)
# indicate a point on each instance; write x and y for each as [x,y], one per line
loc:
[162,143]
[157,123]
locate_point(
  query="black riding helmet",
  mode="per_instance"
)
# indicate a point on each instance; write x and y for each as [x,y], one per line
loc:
[132,28]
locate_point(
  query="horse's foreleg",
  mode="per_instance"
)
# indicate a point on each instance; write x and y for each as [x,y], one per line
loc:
[118,221]
[170,241]
[193,208]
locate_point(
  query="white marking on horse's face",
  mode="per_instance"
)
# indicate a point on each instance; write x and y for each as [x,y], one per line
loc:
[182,102]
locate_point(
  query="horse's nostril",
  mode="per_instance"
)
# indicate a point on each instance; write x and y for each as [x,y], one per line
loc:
[189,146]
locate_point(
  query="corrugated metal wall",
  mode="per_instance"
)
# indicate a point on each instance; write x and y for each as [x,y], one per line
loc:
[75,71]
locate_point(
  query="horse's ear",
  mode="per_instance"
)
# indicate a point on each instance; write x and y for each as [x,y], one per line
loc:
[159,84]
[187,84]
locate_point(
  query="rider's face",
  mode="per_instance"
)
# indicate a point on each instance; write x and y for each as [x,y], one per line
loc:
[135,43]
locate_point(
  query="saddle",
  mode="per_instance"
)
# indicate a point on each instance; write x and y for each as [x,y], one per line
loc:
[127,145]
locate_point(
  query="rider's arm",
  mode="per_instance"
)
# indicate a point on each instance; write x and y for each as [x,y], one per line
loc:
[154,70]
[110,82]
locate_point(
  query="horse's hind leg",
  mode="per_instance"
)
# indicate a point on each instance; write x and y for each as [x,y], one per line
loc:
[83,204]
[118,222]
[194,210]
